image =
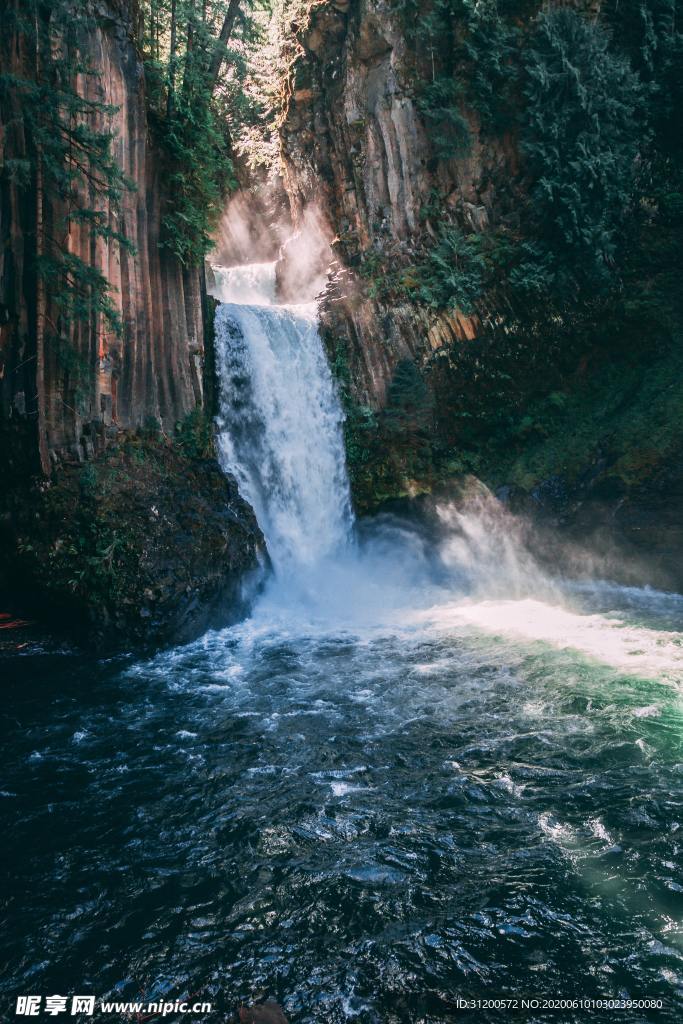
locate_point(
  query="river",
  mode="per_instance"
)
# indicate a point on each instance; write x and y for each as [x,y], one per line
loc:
[422,770]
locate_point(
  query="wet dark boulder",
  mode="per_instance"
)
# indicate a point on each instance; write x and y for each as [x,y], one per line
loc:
[262,1013]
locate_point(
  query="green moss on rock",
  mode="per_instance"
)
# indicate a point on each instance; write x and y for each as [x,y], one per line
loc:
[148,543]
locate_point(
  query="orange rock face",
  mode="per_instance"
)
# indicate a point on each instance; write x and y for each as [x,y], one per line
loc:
[154,369]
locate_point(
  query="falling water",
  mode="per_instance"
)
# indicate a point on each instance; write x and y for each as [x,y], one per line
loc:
[420,770]
[280,422]
[280,434]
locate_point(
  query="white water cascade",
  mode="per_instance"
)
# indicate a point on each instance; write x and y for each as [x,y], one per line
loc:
[280,434]
[280,422]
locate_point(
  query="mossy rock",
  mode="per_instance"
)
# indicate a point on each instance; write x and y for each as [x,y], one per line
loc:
[142,546]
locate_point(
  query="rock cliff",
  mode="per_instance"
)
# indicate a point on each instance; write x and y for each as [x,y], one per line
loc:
[571,408]
[75,392]
[115,518]
[355,144]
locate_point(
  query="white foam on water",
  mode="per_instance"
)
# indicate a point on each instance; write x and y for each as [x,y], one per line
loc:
[280,434]
[636,650]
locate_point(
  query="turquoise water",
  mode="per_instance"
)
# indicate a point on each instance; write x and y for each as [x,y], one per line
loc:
[364,823]
[421,772]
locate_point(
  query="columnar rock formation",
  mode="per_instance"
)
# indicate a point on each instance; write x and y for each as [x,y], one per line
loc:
[354,143]
[103,381]
[125,535]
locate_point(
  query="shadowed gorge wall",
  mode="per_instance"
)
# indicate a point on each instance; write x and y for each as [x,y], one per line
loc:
[93,380]
[116,521]
[503,185]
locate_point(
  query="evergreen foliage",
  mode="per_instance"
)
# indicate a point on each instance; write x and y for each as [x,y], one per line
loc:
[194,434]
[440,104]
[408,419]
[595,106]
[69,156]
[387,452]
[454,272]
[491,49]
[583,127]
[467,58]
[196,54]
[200,174]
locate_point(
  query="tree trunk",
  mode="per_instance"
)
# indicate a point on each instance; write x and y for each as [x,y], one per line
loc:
[171,61]
[41,310]
[189,46]
[40,323]
[222,42]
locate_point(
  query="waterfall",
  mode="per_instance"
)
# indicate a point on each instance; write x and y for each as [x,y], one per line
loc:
[280,421]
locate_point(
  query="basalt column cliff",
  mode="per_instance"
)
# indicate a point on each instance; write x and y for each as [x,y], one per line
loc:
[355,143]
[154,369]
[106,448]
[502,185]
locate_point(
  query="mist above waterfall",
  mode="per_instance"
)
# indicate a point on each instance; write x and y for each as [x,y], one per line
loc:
[304,259]
[465,563]
[254,231]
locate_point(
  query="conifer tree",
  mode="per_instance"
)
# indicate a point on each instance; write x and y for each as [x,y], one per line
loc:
[584,125]
[69,155]
[196,54]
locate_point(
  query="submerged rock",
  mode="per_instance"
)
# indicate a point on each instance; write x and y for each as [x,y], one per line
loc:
[143,546]
[262,1013]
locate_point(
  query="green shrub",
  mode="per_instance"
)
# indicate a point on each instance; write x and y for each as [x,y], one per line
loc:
[582,129]
[440,104]
[194,435]
[200,174]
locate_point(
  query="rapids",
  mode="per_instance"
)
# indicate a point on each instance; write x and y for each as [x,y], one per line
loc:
[422,770]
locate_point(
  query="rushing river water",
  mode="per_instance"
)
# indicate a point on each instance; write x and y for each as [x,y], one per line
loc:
[420,771]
